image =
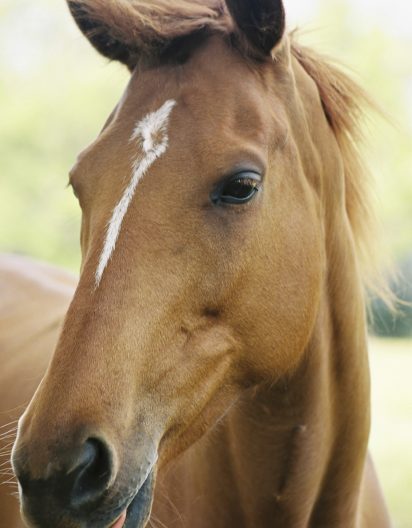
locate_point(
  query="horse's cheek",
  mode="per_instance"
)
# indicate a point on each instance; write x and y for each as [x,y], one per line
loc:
[286,300]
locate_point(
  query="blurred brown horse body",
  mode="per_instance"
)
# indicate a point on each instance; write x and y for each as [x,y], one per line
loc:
[212,367]
[34,299]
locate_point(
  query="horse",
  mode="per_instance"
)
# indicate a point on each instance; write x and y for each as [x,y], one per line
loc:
[34,299]
[212,366]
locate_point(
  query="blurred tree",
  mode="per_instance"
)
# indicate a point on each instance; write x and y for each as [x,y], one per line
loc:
[384,322]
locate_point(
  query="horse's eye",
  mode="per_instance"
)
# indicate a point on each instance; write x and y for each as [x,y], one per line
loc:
[238,189]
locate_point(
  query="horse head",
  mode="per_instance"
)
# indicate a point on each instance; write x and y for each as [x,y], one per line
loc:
[203,251]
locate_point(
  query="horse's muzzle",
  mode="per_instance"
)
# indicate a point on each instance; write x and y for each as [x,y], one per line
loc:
[84,489]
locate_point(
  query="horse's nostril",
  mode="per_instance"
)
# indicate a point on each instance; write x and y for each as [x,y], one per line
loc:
[90,473]
[73,483]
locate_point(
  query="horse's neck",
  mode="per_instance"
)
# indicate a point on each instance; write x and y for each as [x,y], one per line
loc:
[293,452]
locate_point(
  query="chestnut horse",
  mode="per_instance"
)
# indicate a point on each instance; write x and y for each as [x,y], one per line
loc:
[212,367]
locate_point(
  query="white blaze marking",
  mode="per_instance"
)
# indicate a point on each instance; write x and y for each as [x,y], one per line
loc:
[151,135]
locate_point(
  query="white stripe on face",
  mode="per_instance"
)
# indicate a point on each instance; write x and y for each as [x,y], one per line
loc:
[151,135]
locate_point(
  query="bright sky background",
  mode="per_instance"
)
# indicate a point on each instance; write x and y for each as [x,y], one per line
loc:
[20,49]
[397,16]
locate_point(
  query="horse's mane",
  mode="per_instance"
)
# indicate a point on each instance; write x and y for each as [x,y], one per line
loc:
[346,104]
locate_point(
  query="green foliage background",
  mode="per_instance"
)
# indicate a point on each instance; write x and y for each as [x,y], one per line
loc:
[56,92]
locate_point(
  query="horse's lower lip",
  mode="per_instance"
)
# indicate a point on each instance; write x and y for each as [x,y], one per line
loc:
[120,521]
[138,510]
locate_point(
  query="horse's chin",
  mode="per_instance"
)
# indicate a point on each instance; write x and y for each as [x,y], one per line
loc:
[138,511]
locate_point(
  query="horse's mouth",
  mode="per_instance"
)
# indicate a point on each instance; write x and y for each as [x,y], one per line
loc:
[138,510]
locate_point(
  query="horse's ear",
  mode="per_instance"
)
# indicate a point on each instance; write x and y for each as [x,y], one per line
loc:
[98,21]
[261,21]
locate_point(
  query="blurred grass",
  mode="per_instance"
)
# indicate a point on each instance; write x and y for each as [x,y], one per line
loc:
[391,436]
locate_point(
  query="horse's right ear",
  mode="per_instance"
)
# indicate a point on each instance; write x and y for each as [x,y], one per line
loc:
[108,27]
[262,22]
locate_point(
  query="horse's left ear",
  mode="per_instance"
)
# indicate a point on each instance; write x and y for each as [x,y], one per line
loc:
[261,21]
[109,26]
